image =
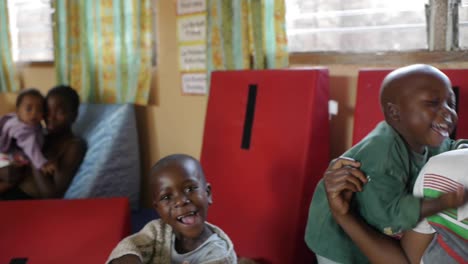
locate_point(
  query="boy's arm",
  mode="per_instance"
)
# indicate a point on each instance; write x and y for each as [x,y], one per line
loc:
[340,183]
[380,248]
[415,243]
[137,246]
[386,203]
[341,180]
[448,200]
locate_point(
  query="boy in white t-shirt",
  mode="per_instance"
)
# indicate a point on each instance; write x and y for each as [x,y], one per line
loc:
[181,196]
[443,173]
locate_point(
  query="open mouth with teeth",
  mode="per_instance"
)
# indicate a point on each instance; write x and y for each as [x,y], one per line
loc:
[441,128]
[189,218]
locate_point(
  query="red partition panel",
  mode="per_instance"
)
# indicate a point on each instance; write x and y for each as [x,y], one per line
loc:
[368,113]
[62,231]
[265,146]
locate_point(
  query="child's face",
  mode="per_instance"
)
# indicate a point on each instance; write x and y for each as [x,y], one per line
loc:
[182,199]
[58,114]
[427,114]
[31,109]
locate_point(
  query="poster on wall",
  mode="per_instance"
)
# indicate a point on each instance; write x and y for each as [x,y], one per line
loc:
[191,38]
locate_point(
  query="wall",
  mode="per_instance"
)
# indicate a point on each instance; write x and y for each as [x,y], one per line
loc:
[7,104]
[38,75]
[173,123]
[343,69]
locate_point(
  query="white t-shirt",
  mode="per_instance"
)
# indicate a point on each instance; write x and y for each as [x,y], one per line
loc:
[443,173]
[213,248]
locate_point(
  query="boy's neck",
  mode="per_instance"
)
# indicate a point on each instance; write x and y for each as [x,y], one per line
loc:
[63,134]
[58,138]
[184,245]
[416,149]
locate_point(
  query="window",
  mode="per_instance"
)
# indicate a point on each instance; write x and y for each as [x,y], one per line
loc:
[356,25]
[463,24]
[31,30]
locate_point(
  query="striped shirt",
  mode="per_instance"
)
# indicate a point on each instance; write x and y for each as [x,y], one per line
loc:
[445,173]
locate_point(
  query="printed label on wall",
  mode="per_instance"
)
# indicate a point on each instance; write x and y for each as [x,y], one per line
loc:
[192,58]
[192,28]
[190,6]
[194,83]
[191,34]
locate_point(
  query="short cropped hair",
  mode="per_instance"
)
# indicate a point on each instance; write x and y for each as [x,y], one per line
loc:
[68,94]
[177,158]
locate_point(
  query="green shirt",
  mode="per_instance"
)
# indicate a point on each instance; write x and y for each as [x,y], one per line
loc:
[386,201]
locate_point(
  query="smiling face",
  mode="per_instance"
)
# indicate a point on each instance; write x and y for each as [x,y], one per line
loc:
[424,112]
[181,197]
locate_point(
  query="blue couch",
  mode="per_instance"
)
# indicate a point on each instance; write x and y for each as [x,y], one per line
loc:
[111,167]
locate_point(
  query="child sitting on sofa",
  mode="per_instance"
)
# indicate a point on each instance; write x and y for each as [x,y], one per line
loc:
[21,137]
[60,145]
[181,197]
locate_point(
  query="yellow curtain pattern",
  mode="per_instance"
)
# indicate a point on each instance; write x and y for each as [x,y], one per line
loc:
[103,49]
[8,79]
[246,34]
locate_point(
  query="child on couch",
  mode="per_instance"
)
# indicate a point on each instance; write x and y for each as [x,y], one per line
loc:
[21,137]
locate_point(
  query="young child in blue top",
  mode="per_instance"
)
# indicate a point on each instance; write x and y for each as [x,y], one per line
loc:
[418,105]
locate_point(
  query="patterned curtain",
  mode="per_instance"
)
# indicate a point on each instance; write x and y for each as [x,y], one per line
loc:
[103,48]
[8,78]
[246,34]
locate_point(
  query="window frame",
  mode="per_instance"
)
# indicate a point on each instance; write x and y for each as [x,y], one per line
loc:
[37,62]
[372,10]
[378,59]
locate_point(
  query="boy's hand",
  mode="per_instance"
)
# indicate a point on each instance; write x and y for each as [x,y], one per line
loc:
[455,199]
[341,179]
[49,168]
[446,201]
[127,259]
